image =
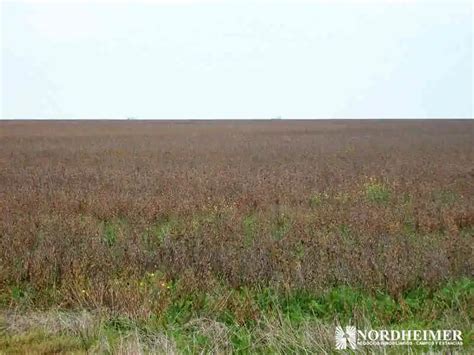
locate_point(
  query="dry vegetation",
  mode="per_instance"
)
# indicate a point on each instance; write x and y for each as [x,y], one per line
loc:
[135,219]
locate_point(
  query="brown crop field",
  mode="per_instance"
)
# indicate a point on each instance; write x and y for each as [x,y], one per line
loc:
[232,236]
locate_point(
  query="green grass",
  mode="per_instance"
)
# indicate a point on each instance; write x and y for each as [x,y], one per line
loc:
[249,225]
[245,320]
[377,192]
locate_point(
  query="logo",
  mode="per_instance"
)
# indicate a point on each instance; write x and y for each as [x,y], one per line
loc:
[346,337]
[350,337]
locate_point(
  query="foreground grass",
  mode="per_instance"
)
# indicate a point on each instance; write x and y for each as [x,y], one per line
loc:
[258,320]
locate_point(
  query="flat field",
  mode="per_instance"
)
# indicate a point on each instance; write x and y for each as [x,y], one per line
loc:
[233,236]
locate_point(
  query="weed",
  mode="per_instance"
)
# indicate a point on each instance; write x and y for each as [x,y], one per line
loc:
[318,199]
[445,197]
[377,192]
[250,228]
[110,233]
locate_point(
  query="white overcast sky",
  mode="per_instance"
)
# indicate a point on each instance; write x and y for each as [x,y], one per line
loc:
[237,59]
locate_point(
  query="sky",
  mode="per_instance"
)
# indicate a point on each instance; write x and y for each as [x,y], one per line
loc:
[186,59]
